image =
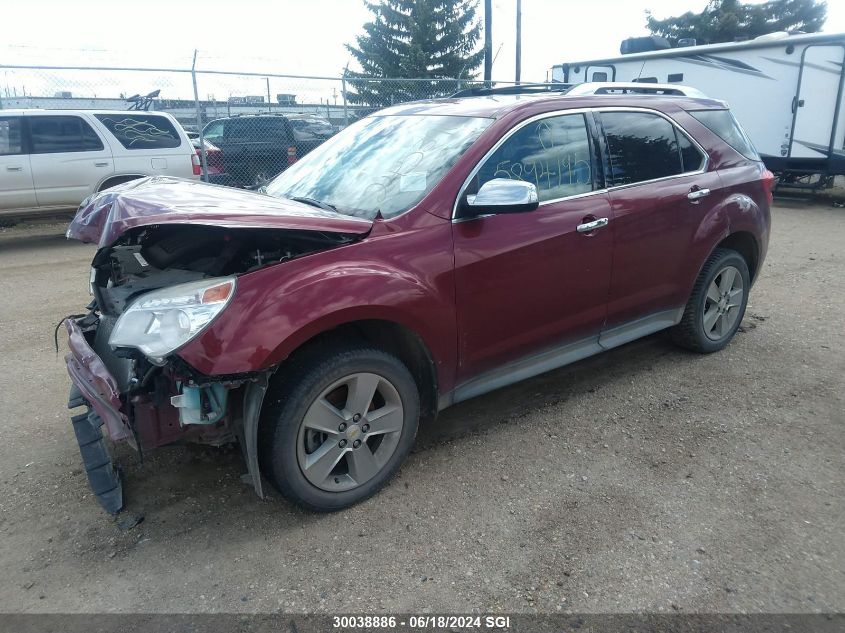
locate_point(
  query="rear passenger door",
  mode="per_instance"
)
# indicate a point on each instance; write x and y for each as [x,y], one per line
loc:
[659,189]
[16,188]
[68,158]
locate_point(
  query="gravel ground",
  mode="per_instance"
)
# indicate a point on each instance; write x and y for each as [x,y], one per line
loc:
[646,479]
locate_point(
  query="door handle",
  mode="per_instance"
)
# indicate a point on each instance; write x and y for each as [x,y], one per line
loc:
[101,164]
[697,194]
[14,168]
[589,227]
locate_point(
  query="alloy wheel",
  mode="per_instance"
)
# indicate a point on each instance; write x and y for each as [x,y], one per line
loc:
[723,303]
[350,432]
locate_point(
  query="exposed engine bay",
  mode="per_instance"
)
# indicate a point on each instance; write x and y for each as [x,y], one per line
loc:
[153,400]
[160,256]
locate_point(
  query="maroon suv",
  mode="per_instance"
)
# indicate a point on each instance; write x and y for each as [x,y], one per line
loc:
[427,254]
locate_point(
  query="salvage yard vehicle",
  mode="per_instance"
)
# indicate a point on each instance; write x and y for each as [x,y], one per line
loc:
[427,254]
[257,147]
[51,160]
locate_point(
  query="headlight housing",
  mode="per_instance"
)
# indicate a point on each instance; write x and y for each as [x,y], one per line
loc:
[159,322]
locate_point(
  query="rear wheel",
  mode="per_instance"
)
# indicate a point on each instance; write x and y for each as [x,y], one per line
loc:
[337,425]
[717,304]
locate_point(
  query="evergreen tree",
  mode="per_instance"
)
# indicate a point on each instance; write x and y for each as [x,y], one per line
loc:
[415,39]
[729,20]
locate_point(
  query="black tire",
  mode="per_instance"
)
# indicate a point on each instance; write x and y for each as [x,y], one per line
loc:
[292,392]
[690,333]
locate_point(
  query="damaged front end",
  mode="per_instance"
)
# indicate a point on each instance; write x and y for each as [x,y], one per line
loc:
[155,288]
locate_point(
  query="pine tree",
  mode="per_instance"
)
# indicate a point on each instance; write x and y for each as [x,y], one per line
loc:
[415,39]
[729,20]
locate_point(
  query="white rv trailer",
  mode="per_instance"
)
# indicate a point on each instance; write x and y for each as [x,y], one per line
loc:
[786,90]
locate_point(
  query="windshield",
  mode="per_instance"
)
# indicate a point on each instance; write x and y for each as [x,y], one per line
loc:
[381,164]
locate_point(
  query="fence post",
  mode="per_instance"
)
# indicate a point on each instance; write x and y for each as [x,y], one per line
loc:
[343,92]
[203,160]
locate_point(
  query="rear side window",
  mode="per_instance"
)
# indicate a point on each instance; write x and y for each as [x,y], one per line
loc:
[58,134]
[141,131]
[311,129]
[725,126]
[641,147]
[11,139]
[553,153]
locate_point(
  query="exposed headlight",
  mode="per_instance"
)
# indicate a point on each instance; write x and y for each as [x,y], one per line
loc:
[159,322]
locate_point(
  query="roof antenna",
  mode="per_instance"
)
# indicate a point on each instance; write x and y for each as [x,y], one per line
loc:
[640,74]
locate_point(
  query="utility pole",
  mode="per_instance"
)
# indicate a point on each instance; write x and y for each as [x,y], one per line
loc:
[488,41]
[518,40]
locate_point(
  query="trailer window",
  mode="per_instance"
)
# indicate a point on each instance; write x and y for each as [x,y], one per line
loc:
[725,126]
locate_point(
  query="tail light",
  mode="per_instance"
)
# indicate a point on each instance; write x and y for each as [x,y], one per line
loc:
[196,164]
[292,155]
[769,185]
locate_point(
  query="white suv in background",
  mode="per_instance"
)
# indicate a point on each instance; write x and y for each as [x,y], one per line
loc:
[51,160]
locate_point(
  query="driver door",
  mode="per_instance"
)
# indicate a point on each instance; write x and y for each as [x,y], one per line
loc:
[530,284]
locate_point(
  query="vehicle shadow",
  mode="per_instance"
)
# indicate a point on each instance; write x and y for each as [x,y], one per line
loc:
[549,389]
[197,480]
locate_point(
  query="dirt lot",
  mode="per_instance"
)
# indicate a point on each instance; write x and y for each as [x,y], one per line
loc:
[645,479]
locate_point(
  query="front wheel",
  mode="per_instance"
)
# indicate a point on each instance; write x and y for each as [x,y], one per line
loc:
[337,425]
[717,304]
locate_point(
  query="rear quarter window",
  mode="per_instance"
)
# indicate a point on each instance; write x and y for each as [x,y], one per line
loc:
[141,131]
[723,124]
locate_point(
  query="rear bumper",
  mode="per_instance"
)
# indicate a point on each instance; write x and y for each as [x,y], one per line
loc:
[96,384]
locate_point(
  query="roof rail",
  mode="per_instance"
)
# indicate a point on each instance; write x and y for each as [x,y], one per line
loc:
[519,89]
[634,87]
[587,88]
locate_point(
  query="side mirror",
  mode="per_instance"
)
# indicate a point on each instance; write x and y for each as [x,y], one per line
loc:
[502,195]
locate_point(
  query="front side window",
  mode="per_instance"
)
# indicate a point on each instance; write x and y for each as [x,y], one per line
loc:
[141,131]
[11,139]
[553,153]
[381,164]
[58,134]
[641,146]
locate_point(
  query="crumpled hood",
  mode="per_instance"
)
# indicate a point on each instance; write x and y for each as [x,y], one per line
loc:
[104,217]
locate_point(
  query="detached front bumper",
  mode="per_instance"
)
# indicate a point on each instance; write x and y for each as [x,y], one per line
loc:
[146,418]
[95,388]
[95,382]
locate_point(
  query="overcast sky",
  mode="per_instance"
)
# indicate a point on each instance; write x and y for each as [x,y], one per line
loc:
[304,37]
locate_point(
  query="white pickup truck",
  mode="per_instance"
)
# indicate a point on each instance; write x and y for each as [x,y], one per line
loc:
[51,160]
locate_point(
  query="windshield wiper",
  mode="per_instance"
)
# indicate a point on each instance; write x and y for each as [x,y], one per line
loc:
[315,203]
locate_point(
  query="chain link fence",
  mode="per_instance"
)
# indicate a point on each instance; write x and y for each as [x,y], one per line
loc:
[247,127]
